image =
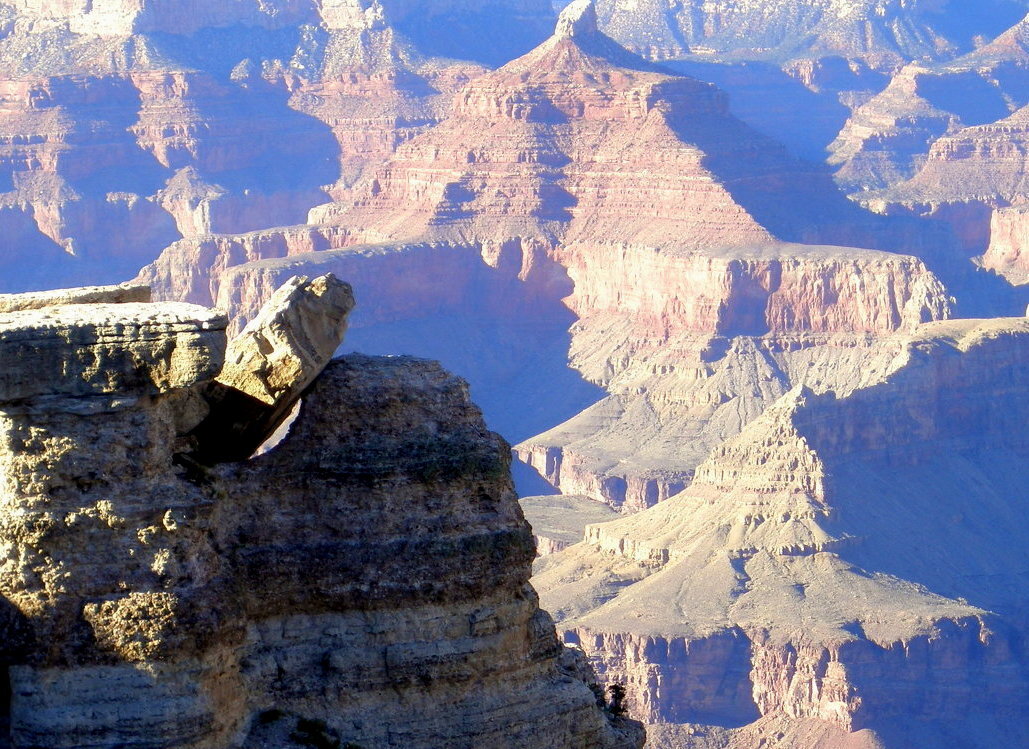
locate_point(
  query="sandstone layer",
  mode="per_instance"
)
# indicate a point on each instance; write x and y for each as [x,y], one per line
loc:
[364,583]
[827,565]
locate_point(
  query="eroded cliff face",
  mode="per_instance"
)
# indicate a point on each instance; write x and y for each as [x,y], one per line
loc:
[692,346]
[966,176]
[363,582]
[811,569]
[1008,253]
[187,121]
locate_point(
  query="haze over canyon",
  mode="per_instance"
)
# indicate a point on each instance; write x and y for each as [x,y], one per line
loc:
[740,288]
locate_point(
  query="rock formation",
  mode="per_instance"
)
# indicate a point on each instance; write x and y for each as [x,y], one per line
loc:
[820,582]
[944,141]
[883,33]
[693,346]
[364,583]
[583,177]
[124,126]
[966,175]
[1008,253]
[887,139]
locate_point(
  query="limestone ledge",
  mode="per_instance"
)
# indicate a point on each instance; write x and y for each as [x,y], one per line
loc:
[127,349]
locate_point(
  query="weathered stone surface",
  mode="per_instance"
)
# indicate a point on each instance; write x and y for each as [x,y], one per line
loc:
[288,344]
[365,581]
[130,349]
[123,294]
[270,364]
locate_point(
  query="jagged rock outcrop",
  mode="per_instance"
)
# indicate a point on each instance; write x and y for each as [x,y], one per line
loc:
[364,582]
[270,364]
[827,563]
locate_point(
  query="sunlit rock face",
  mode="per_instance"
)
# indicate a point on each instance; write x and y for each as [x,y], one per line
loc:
[1008,253]
[809,569]
[156,595]
[582,184]
[124,127]
[693,346]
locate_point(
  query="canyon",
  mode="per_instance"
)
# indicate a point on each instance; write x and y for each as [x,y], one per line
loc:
[741,282]
[878,32]
[828,561]
[126,126]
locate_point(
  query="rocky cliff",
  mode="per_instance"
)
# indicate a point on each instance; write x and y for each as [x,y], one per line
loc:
[1008,253]
[965,177]
[175,119]
[827,564]
[364,582]
[693,346]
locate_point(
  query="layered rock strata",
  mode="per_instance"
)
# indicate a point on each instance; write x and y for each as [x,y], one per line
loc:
[543,185]
[364,583]
[826,565]
[124,126]
[888,138]
[692,346]
[955,167]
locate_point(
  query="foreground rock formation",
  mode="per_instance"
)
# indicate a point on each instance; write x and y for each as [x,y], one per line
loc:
[364,583]
[823,579]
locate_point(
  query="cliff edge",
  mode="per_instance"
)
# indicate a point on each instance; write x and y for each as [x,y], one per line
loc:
[363,583]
